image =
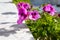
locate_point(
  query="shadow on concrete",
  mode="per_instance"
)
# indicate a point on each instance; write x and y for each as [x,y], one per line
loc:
[6,2]
[6,33]
[8,13]
[31,38]
[16,27]
[6,22]
[28,32]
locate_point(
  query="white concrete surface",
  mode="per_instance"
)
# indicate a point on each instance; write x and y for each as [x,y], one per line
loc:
[9,29]
[7,7]
[8,12]
[5,0]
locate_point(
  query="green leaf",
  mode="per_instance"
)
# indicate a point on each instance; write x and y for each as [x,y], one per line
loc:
[17,1]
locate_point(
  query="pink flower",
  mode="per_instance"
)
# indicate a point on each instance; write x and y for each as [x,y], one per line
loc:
[50,9]
[26,5]
[22,4]
[22,14]
[34,15]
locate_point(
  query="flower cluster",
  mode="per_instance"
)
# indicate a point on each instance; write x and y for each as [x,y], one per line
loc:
[50,9]
[23,4]
[24,14]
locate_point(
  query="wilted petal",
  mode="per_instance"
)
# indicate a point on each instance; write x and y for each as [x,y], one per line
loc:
[58,15]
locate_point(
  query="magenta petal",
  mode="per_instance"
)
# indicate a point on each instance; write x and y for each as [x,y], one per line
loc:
[19,21]
[22,10]
[22,14]
[52,13]
[22,4]
[34,15]
[27,6]
[50,9]
[47,7]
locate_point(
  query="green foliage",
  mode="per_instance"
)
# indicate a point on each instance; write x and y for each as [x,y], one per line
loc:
[17,1]
[45,28]
[36,8]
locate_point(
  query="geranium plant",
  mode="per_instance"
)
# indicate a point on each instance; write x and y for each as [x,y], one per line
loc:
[43,25]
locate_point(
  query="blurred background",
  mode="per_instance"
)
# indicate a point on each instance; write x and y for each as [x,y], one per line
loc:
[39,2]
[55,3]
